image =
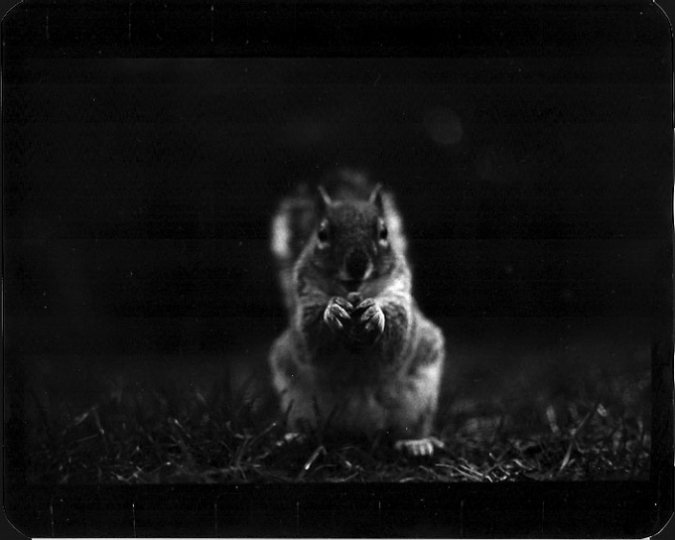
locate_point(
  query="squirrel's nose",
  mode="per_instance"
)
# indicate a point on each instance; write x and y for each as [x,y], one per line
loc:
[356,264]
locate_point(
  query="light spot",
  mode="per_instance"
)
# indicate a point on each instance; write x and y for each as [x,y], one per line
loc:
[443,126]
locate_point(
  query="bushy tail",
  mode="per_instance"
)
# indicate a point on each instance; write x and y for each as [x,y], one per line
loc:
[296,220]
[292,224]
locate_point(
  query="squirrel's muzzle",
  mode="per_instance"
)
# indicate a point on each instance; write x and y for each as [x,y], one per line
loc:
[358,265]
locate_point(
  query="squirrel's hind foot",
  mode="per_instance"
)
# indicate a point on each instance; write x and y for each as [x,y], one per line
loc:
[418,447]
[295,437]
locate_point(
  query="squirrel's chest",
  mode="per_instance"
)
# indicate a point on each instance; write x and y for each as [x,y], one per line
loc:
[346,366]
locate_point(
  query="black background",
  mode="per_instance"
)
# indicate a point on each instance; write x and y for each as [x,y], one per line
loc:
[141,224]
[532,169]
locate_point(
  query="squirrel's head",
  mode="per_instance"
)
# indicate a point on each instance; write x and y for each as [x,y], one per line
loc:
[352,241]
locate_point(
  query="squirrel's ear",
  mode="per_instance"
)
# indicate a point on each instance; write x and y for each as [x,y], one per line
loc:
[326,201]
[376,197]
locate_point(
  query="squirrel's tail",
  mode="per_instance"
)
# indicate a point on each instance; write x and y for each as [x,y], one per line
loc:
[292,225]
[296,219]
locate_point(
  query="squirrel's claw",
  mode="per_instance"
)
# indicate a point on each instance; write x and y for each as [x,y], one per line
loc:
[372,318]
[418,447]
[336,314]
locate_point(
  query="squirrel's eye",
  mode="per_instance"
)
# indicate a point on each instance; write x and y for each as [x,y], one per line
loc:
[384,233]
[322,233]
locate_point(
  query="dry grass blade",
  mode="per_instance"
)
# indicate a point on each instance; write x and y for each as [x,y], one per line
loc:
[308,464]
[568,454]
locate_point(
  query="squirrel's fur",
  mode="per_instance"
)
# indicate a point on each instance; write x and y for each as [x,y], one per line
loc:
[358,355]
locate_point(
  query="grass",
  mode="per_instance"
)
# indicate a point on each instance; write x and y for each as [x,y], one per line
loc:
[173,433]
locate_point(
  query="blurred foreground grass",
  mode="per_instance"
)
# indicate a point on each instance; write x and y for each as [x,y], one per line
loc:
[582,414]
[171,434]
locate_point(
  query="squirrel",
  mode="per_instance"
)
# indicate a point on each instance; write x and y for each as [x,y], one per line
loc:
[357,352]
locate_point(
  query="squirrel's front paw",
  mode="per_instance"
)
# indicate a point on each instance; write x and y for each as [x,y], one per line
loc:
[370,318]
[337,313]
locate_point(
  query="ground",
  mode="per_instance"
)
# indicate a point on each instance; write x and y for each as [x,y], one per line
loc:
[503,416]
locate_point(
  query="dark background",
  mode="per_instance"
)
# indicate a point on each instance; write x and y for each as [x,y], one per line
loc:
[138,192]
[532,165]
